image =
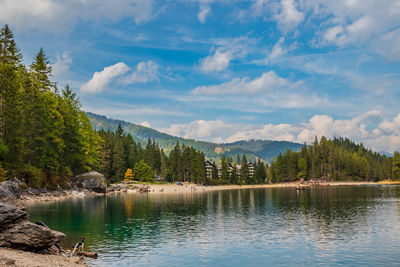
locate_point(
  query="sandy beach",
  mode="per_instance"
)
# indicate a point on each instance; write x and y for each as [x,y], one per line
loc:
[14,257]
[193,188]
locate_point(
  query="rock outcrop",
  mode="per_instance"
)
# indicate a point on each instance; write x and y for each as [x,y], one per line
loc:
[92,181]
[9,192]
[17,232]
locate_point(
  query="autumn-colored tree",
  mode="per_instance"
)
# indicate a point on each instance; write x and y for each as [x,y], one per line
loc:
[129,175]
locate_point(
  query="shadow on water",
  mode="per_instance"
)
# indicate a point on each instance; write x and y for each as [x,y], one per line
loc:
[332,225]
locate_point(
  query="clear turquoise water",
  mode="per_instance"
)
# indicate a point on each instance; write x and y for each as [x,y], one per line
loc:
[330,226]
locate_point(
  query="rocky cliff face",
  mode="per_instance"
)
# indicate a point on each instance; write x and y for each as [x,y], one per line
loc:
[17,232]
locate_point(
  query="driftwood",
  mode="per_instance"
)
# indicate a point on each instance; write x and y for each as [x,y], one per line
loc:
[87,254]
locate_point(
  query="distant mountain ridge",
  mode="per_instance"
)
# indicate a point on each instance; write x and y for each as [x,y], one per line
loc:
[253,149]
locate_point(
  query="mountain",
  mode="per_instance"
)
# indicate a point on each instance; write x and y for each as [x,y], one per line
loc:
[253,149]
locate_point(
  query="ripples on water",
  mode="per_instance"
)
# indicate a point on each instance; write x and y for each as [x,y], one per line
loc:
[253,227]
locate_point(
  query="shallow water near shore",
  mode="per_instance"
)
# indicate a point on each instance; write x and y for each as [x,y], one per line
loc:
[336,225]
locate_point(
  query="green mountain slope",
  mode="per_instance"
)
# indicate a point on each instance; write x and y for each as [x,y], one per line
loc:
[253,149]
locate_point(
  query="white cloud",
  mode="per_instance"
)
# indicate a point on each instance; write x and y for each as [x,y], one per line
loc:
[145,124]
[266,82]
[200,129]
[216,62]
[62,64]
[368,128]
[146,71]
[102,79]
[203,13]
[368,23]
[60,16]
[277,51]
[289,16]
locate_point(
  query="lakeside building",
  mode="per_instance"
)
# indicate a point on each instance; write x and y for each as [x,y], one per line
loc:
[209,166]
[251,167]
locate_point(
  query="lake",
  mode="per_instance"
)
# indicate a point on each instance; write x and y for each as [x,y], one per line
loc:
[343,225]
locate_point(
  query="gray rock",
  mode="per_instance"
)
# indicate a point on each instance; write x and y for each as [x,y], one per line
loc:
[17,232]
[9,192]
[29,236]
[10,215]
[92,181]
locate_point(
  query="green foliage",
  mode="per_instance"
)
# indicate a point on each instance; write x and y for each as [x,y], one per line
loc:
[44,136]
[143,172]
[396,166]
[32,176]
[337,159]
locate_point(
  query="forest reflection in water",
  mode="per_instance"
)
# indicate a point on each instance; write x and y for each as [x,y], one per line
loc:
[334,225]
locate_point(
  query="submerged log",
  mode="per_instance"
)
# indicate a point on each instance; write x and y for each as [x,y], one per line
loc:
[87,254]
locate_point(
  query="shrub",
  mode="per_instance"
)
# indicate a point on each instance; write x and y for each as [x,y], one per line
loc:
[32,176]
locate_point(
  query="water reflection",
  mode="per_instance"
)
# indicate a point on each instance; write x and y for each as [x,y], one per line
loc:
[331,225]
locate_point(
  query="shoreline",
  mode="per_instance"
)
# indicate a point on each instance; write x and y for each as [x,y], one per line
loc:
[17,257]
[193,188]
[50,196]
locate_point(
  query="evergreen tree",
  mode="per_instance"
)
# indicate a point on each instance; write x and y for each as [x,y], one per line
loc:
[224,169]
[396,166]
[244,171]
[143,172]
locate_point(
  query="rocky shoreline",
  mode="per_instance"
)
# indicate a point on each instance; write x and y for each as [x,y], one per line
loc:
[23,243]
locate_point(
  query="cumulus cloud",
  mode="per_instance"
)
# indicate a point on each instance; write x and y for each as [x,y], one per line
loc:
[289,16]
[62,64]
[358,22]
[217,61]
[369,128]
[266,82]
[102,79]
[59,16]
[146,71]
[203,130]
[145,124]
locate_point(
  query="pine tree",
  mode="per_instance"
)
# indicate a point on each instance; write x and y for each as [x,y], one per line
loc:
[244,171]
[224,170]
[396,166]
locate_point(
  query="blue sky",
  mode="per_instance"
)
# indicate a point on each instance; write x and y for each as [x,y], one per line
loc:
[226,70]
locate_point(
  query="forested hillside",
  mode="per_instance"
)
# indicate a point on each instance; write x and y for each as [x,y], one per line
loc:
[252,149]
[334,160]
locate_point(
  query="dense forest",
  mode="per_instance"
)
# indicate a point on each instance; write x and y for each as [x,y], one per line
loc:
[334,160]
[44,136]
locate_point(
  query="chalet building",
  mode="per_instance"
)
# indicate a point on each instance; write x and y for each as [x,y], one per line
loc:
[251,166]
[209,167]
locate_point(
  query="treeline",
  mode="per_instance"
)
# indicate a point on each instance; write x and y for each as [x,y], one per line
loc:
[44,136]
[120,152]
[238,172]
[334,160]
